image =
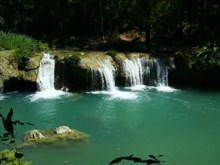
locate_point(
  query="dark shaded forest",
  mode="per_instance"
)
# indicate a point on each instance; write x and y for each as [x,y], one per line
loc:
[169,22]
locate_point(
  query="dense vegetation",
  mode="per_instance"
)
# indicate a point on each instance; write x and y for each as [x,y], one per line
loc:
[162,21]
[190,28]
[22,45]
[12,155]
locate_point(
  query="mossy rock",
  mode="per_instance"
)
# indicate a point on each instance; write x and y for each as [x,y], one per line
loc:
[53,136]
[9,69]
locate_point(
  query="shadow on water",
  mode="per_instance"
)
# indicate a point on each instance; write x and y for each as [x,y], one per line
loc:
[151,160]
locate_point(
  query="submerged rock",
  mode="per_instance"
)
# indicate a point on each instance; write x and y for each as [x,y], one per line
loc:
[54,136]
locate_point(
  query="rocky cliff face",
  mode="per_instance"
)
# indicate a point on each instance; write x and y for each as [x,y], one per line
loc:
[74,71]
[78,71]
[12,79]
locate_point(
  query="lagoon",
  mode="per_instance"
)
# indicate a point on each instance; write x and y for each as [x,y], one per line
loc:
[183,125]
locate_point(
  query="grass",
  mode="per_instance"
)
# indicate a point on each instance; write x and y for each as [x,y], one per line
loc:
[22,45]
[11,41]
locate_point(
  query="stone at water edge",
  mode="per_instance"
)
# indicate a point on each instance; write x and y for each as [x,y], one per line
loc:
[34,135]
[63,130]
[54,136]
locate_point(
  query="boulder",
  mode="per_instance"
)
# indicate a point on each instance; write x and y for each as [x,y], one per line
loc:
[59,135]
[63,130]
[34,135]
[11,78]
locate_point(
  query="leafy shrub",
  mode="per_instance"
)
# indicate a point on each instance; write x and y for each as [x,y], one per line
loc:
[10,41]
[42,46]
[203,58]
[209,57]
[21,57]
[11,159]
[13,156]
[23,45]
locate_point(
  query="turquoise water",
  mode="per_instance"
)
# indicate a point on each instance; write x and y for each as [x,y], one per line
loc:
[183,125]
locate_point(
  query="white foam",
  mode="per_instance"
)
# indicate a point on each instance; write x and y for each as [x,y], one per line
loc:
[117,94]
[2,97]
[124,95]
[45,78]
[48,94]
[163,88]
[136,88]
[133,71]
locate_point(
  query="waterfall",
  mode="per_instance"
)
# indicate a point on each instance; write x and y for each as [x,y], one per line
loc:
[45,78]
[141,71]
[133,72]
[162,73]
[105,74]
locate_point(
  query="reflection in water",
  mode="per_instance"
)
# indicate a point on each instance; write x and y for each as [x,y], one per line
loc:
[151,160]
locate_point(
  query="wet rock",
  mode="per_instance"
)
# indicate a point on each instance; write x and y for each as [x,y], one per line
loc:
[63,130]
[34,135]
[59,135]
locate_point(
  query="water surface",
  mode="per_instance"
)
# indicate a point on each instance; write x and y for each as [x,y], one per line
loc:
[182,125]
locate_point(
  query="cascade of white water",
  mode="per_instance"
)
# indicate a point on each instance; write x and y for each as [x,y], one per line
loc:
[107,75]
[94,79]
[45,78]
[149,72]
[140,71]
[133,71]
[103,77]
[162,73]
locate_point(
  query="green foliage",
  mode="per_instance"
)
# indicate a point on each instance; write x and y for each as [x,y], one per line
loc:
[209,57]
[42,46]
[194,21]
[11,159]
[10,41]
[203,58]
[22,45]
[21,57]
[12,156]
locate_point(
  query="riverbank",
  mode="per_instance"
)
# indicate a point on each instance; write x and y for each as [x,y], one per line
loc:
[186,67]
